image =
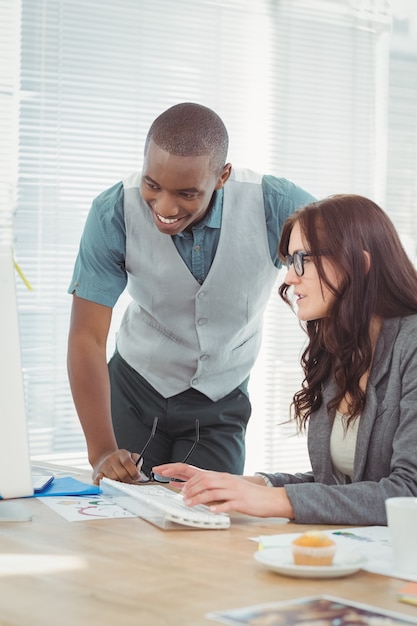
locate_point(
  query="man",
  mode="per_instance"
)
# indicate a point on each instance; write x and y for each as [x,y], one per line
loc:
[196,244]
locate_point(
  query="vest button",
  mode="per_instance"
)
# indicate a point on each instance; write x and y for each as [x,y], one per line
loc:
[202,321]
[201,295]
[204,357]
[194,381]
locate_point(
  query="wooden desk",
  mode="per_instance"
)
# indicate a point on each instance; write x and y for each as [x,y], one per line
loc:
[123,572]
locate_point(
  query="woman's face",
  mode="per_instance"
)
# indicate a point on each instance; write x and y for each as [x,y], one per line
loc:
[313,298]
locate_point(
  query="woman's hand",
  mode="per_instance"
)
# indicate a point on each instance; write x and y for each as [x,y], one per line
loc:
[231,493]
[179,471]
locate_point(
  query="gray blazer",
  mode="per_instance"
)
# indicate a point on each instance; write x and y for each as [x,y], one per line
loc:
[385,463]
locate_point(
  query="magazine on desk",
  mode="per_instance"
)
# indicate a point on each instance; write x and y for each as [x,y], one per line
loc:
[323,610]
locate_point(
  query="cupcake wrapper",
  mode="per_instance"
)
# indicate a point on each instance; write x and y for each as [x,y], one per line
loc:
[313,556]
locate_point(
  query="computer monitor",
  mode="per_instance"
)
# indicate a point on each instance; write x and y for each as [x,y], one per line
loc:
[15,466]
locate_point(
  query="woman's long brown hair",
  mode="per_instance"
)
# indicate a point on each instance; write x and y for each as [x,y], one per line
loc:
[344,226]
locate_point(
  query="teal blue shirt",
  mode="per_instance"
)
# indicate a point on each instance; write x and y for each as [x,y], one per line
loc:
[99,272]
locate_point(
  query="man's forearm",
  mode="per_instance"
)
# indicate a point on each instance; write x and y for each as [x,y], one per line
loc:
[90,387]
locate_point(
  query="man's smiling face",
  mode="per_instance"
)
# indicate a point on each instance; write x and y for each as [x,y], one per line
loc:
[178,189]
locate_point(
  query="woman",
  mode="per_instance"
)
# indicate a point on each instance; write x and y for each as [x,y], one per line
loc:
[356,295]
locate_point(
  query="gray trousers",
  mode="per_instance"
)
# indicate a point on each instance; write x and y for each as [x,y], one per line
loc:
[135,403]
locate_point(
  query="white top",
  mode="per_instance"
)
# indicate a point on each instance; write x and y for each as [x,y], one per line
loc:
[343,444]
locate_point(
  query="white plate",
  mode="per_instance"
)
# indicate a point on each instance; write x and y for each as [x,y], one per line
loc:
[280,560]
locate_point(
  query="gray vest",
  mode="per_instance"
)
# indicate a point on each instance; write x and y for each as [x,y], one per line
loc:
[179,334]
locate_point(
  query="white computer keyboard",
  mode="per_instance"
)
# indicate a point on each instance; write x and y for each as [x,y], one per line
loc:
[162,507]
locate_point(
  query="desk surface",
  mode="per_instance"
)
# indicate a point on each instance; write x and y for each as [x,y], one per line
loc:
[123,572]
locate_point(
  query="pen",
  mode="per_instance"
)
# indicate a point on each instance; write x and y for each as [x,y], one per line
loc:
[22,276]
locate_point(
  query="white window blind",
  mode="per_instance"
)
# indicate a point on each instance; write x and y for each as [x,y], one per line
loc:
[9,73]
[330,100]
[402,131]
[93,76]
[302,88]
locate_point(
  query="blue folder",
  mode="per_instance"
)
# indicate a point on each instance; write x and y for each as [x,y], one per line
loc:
[68,486]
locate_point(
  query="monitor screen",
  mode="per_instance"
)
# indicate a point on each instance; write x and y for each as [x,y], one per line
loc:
[15,467]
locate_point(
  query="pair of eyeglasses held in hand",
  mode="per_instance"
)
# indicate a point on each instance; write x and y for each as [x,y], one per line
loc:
[163,479]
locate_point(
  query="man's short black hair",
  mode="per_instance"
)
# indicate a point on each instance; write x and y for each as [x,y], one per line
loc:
[190,129]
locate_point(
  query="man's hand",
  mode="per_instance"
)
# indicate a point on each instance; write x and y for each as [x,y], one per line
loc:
[119,465]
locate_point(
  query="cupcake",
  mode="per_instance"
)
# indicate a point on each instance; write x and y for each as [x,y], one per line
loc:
[313,548]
